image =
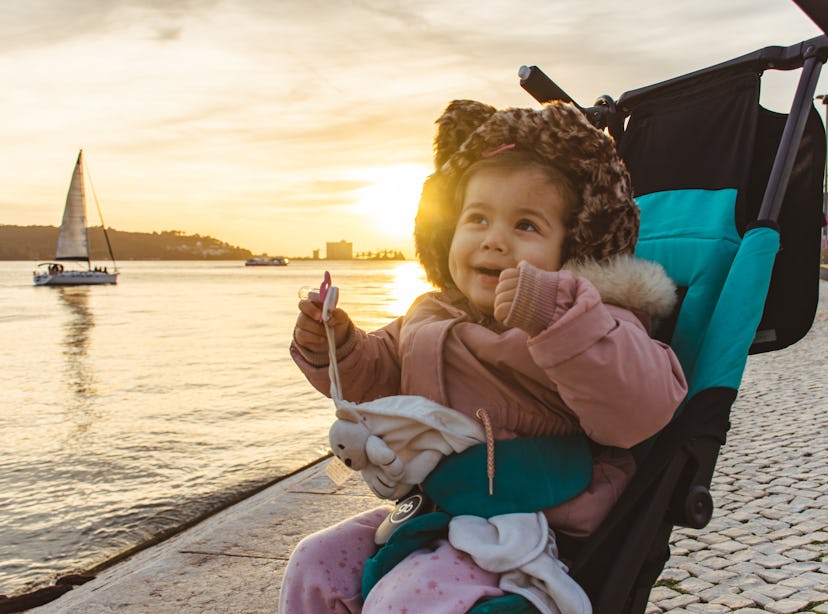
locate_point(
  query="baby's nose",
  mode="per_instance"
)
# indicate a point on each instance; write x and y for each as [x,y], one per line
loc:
[495,239]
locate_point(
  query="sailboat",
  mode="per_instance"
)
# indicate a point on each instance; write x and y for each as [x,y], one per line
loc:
[73,242]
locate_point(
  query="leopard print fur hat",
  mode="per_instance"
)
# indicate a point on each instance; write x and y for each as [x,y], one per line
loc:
[603,223]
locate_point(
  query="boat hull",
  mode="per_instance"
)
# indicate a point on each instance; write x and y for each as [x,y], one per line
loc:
[265,264]
[75,278]
[267,261]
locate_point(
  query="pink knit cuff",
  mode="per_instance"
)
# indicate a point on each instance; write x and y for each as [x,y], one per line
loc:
[534,306]
[348,345]
[314,359]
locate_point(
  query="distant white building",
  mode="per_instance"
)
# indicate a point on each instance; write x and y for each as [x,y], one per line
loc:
[343,250]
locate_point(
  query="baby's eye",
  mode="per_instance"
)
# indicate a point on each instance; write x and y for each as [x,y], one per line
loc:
[526,225]
[476,218]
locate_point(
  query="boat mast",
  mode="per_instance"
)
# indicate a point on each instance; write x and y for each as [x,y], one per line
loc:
[103,225]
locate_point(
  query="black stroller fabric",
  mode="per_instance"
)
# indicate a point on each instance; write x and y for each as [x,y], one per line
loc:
[699,154]
[713,135]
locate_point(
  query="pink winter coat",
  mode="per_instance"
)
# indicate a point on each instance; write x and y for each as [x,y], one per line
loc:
[591,367]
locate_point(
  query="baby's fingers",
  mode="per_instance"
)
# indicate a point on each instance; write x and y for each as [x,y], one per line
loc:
[509,275]
[505,292]
[309,342]
[310,334]
[311,309]
[502,307]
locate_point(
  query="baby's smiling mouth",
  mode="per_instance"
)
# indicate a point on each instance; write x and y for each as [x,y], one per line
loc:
[488,272]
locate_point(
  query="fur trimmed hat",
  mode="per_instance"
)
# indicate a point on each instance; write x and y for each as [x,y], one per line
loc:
[604,221]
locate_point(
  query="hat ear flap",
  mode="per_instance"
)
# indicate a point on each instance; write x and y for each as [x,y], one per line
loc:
[434,227]
[458,121]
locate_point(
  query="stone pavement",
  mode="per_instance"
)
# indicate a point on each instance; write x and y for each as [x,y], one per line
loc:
[765,550]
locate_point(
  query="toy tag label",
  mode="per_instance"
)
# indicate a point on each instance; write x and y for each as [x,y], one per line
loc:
[338,471]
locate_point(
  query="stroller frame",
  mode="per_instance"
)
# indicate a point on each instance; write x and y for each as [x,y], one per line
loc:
[619,564]
[808,55]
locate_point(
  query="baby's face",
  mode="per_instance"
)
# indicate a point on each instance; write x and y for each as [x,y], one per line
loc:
[507,216]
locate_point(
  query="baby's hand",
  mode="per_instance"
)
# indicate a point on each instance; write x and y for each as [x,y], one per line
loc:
[309,332]
[505,293]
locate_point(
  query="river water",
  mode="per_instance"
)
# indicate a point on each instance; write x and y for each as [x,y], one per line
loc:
[129,410]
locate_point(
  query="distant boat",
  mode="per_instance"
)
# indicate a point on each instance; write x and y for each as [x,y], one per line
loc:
[73,242]
[267,261]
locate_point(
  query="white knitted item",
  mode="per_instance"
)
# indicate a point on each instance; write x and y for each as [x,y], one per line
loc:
[521,548]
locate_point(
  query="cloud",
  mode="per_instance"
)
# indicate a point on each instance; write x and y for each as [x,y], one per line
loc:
[275,105]
[36,23]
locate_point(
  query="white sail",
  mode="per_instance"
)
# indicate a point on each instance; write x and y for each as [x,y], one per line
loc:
[73,241]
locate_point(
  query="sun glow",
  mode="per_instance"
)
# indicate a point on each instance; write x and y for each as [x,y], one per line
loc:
[390,200]
[408,283]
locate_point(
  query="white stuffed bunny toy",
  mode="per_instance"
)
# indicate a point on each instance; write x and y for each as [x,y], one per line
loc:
[381,468]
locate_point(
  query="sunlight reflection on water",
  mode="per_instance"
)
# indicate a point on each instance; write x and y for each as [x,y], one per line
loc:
[407,284]
[130,409]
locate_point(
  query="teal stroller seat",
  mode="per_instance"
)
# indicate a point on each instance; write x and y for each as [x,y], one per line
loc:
[731,199]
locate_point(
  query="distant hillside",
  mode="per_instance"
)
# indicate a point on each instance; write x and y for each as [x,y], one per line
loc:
[39,242]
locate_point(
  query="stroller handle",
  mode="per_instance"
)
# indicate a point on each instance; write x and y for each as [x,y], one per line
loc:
[543,89]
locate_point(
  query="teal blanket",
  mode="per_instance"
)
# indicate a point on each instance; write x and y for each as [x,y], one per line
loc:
[532,474]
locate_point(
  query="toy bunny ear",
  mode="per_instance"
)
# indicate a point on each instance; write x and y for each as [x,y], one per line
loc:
[343,412]
[458,121]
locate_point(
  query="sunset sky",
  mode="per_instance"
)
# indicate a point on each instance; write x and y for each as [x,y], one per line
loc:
[280,125]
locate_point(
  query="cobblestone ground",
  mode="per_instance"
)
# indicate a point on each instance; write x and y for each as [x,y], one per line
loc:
[766,548]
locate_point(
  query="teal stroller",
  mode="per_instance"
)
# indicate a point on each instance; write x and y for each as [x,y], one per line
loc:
[731,199]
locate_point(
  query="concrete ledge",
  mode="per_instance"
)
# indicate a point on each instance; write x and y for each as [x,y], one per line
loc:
[230,562]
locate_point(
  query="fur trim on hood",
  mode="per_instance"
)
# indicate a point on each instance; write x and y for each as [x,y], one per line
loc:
[642,286]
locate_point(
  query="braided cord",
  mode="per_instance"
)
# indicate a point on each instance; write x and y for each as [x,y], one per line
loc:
[483,415]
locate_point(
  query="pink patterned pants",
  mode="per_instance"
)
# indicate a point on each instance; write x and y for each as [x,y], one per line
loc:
[324,575]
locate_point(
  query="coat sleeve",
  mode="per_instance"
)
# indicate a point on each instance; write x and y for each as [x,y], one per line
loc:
[623,385]
[371,369]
